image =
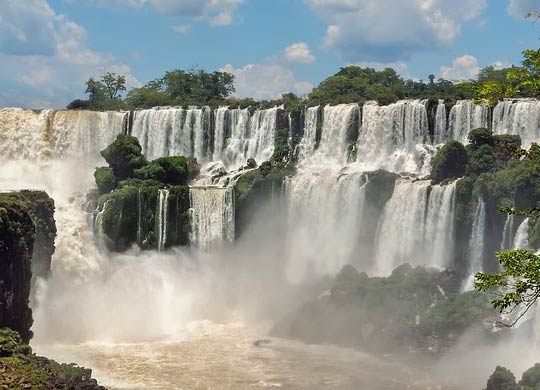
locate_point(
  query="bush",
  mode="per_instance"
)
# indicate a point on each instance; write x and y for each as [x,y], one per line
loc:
[450,162]
[105,180]
[481,136]
[502,379]
[79,104]
[531,378]
[124,155]
[11,343]
[167,170]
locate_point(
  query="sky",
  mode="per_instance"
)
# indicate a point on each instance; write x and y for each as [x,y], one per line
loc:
[48,48]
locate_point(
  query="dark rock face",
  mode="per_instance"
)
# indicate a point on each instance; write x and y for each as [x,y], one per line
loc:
[413,310]
[27,229]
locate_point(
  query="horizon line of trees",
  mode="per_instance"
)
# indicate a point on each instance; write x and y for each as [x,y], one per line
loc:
[351,84]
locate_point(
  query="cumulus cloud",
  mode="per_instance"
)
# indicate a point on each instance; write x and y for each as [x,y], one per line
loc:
[54,73]
[391,30]
[217,12]
[266,81]
[462,68]
[520,8]
[299,53]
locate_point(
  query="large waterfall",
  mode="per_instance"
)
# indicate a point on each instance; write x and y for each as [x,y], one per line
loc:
[212,217]
[228,135]
[48,134]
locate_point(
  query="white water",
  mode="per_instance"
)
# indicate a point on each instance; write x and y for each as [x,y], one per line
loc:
[158,295]
[212,217]
[400,231]
[440,132]
[395,137]
[476,246]
[163,213]
[521,241]
[47,135]
[466,116]
[308,142]
[439,235]
[237,135]
[521,117]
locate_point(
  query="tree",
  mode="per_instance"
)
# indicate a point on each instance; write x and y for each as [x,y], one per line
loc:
[502,379]
[113,85]
[95,91]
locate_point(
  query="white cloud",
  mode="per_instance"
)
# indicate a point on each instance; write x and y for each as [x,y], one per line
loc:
[520,8]
[217,12]
[390,30]
[182,29]
[54,73]
[462,68]
[262,81]
[298,53]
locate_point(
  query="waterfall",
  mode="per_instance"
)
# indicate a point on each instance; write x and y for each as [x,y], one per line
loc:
[476,245]
[508,232]
[401,228]
[440,135]
[309,140]
[466,116]
[519,117]
[220,132]
[521,241]
[212,217]
[48,134]
[325,216]
[336,129]
[439,226]
[163,213]
[393,137]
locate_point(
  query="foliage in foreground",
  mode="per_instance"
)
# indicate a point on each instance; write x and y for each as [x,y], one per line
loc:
[20,369]
[504,379]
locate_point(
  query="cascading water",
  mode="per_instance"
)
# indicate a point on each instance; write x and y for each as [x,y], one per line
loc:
[519,117]
[162,218]
[394,137]
[400,231]
[466,116]
[236,134]
[439,226]
[440,132]
[476,245]
[48,135]
[508,231]
[212,217]
[521,241]
[309,140]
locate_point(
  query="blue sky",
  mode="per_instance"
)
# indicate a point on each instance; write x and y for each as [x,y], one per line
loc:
[49,47]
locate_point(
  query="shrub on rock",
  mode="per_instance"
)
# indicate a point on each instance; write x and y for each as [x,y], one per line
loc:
[450,162]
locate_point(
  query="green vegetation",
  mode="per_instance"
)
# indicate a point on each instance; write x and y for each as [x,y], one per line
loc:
[450,162]
[129,189]
[20,369]
[414,309]
[524,81]
[502,379]
[105,180]
[124,156]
